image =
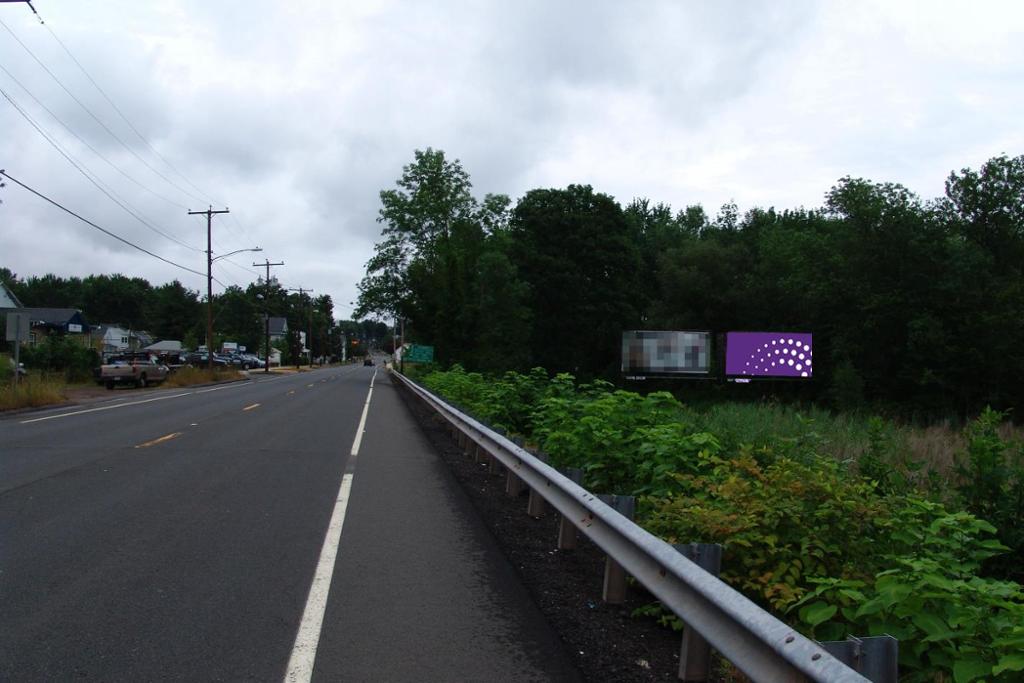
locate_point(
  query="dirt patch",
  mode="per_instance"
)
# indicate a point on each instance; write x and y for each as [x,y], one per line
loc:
[607,643]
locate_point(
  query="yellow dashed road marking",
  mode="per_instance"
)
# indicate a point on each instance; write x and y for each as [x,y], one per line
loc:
[154,442]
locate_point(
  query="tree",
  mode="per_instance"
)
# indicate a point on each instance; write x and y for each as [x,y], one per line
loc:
[579,254]
[987,207]
[424,270]
[115,299]
[237,318]
[174,312]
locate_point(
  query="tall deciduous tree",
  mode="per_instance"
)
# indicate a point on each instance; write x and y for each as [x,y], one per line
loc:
[580,256]
[424,270]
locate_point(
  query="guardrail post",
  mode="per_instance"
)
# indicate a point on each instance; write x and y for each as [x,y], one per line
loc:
[695,653]
[536,505]
[513,484]
[568,537]
[614,592]
[876,657]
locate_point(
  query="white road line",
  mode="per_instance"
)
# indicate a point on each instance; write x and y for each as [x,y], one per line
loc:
[300,665]
[96,410]
[233,385]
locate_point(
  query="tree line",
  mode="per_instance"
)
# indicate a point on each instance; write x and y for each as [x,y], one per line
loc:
[172,311]
[916,305]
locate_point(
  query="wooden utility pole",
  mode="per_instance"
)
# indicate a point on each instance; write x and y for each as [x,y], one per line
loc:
[209,281]
[266,312]
[309,330]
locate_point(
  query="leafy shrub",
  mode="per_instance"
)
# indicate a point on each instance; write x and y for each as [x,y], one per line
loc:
[991,486]
[779,523]
[624,443]
[847,551]
[62,353]
[948,619]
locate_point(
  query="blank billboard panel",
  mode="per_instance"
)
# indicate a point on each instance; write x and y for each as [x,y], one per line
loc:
[769,354]
[661,352]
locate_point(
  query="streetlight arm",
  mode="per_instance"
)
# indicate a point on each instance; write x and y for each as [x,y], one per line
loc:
[232,253]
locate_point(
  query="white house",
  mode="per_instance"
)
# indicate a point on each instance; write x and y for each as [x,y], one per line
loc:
[7,298]
[113,339]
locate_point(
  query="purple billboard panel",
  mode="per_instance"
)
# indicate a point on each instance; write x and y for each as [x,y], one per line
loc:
[769,354]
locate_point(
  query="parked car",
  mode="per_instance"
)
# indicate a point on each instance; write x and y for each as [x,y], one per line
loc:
[246,361]
[137,369]
[253,360]
[199,359]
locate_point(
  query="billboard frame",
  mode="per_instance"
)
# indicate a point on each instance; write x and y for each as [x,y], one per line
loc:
[708,374]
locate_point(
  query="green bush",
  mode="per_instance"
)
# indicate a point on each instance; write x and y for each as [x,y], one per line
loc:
[779,523]
[947,618]
[991,472]
[837,539]
[62,353]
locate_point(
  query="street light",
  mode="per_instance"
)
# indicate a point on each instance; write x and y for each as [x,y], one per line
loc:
[209,299]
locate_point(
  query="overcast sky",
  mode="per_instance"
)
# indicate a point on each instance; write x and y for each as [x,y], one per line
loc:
[296,114]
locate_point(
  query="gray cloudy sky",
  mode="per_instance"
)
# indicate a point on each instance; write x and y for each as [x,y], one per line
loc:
[296,114]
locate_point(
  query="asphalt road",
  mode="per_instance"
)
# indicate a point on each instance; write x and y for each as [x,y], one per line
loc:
[175,535]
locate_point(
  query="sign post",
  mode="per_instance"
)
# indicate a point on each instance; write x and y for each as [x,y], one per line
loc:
[18,325]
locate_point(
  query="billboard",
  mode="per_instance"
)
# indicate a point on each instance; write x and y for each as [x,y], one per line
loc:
[662,352]
[769,354]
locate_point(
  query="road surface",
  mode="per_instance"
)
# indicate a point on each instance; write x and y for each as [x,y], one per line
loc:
[192,534]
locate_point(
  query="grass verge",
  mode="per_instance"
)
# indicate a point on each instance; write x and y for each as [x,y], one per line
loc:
[31,392]
[186,377]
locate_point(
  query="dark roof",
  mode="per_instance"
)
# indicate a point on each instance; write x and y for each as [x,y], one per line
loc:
[278,325]
[56,317]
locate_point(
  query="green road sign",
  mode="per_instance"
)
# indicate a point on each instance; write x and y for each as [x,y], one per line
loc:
[419,354]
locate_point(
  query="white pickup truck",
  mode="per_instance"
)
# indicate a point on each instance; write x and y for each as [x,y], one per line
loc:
[137,369]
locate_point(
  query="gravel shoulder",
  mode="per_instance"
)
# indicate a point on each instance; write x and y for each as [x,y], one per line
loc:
[607,643]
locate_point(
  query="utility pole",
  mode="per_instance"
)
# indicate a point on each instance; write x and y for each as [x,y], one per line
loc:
[309,330]
[209,281]
[266,313]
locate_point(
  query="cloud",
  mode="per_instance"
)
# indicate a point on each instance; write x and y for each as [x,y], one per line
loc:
[297,115]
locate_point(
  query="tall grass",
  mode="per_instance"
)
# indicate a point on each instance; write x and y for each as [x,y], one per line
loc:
[188,376]
[930,452]
[31,392]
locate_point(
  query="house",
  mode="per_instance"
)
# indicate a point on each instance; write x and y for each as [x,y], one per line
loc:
[278,328]
[47,321]
[7,298]
[165,346]
[113,338]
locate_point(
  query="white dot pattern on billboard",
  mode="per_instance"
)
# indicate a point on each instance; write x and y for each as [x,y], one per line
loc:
[766,354]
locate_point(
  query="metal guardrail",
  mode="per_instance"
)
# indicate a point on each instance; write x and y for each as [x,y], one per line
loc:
[761,646]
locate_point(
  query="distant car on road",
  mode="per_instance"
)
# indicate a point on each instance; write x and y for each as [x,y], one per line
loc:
[368,361]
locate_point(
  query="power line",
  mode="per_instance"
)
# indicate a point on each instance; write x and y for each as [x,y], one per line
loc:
[101,229]
[121,113]
[93,116]
[239,267]
[86,144]
[89,175]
